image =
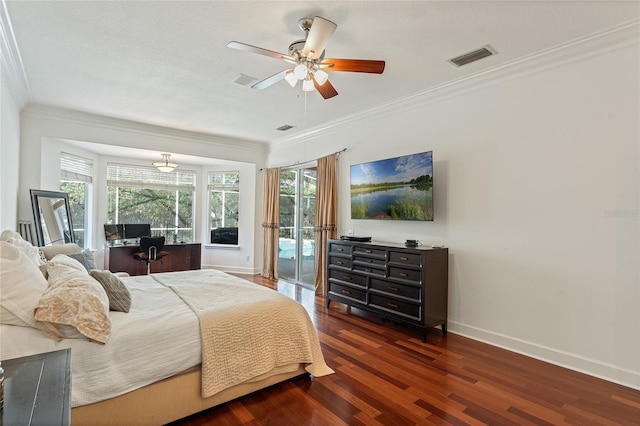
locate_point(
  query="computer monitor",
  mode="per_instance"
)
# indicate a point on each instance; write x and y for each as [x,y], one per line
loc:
[137,230]
[114,232]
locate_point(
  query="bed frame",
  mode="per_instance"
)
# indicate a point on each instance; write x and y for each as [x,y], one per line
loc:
[167,400]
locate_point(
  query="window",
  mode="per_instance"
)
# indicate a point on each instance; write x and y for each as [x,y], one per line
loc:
[139,194]
[224,200]
[76,177]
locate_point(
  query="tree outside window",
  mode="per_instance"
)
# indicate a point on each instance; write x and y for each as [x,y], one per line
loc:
[76,177]
[224,201]
[138,194]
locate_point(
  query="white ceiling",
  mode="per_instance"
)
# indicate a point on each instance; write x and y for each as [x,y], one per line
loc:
[166,62]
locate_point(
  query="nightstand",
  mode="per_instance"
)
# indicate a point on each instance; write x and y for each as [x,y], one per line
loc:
[37,389]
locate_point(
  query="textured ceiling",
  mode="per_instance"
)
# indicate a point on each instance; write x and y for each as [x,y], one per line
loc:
[166,62]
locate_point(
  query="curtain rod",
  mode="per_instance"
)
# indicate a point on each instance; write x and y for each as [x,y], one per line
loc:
[298,163]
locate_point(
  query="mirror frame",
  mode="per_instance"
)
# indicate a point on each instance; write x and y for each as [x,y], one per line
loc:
[36,194]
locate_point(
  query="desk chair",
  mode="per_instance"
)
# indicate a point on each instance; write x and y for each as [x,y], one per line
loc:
[150,251]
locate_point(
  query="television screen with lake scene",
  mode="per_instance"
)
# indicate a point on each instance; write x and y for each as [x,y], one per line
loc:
[399,188]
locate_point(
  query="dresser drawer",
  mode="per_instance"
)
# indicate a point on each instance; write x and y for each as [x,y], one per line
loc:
[347,277]
[371,261]
[377,270]
[404,274]
[350,292]
[408,309]
[339,248]
[370,252]
[407,291]
[342,262]
[405,258]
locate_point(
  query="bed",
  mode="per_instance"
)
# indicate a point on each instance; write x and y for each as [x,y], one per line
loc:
[191,340]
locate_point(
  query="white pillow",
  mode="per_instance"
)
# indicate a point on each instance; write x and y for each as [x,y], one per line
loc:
[62,260]
[21,287]
[6,234]
[75,305]
[28,249]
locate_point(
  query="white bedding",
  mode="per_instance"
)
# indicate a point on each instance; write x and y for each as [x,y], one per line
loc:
[158,338]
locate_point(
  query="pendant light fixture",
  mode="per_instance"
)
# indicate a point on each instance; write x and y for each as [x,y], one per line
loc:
[164,165]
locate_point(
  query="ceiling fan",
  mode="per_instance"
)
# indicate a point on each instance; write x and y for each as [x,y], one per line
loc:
[307,58]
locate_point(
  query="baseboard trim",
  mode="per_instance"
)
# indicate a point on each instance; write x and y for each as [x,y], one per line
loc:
[564,359]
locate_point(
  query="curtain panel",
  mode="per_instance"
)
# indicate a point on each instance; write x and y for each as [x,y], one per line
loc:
[326,217]
[270,222]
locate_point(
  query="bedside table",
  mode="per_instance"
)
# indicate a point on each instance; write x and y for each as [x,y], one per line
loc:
[37,389]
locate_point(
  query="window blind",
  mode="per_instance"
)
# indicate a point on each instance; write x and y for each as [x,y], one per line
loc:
[75,169]
[224,181]
[131,176]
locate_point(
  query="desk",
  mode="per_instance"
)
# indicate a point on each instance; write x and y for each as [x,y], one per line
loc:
[181,257]
[37,389]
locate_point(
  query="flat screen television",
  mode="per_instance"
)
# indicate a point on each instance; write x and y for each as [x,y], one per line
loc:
[114,232]
[137,230]
[399,188]
[224,236]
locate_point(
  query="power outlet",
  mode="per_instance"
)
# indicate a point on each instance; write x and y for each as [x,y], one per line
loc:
[350,232]
[248,258]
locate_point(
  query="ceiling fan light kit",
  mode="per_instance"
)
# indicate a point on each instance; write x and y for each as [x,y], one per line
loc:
[310,67]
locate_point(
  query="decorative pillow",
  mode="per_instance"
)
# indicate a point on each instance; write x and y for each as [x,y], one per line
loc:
[28,249]
[62,260]
[85,257]
[75,305]
[117,292]
[21,287]
[50,251]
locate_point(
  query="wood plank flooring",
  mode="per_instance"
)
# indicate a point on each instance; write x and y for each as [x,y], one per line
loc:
[384,375]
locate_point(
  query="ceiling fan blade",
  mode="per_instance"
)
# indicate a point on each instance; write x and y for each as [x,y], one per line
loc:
[259,50]
[318,37]
[271,80]
[326,90]
[353,65]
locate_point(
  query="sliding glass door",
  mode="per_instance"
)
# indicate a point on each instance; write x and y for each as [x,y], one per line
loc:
[297,220]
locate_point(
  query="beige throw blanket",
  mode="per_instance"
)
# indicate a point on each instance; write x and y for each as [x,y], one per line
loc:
[248,331]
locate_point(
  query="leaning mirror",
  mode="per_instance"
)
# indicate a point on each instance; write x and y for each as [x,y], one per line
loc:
[52,217]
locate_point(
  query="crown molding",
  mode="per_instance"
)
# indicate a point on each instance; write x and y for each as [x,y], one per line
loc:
[618,37]
[39,111]
[11,61]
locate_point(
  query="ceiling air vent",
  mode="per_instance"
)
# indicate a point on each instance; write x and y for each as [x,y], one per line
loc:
[243,79]
[477,54]
[285,127]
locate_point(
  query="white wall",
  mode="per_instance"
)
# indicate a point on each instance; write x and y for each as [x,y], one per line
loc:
[536,195]
[9,155]
[45,129]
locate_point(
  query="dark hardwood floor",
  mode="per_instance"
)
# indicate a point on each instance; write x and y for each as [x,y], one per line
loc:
[384,375]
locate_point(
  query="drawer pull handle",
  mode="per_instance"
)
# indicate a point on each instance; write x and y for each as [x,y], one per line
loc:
[393,288]
[367,270]
[368,251]
[340,249]
[347,292]
[392,305]
[346,278]
[339,262]
[402,274]
[404,258]
[369,260]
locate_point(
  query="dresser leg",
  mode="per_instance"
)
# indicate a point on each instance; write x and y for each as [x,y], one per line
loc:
[328,301]
[444,328]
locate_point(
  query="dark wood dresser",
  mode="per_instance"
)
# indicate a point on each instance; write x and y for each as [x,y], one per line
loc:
[408,285]
[37,389]
[181,257]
